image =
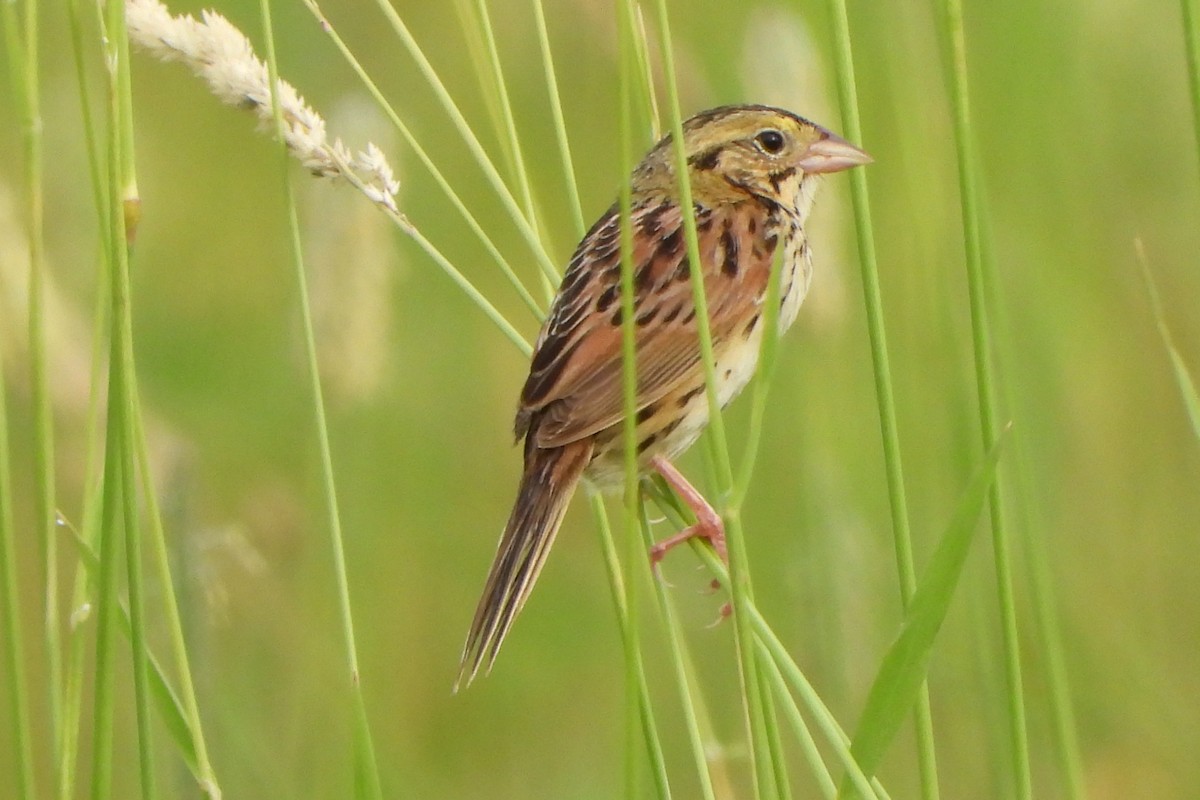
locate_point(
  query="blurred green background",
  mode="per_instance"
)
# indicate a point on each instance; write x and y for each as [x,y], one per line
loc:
[1086,145]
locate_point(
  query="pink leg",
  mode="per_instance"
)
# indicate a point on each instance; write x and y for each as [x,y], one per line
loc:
[708,522]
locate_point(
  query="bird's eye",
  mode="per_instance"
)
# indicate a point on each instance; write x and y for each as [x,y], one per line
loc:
[769,141]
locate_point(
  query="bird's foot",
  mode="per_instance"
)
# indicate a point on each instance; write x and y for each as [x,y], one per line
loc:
[708,522]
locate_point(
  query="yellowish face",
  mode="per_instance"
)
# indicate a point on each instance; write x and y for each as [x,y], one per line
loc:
[738,150]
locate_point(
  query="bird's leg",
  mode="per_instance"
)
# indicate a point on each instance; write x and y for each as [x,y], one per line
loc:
[708,521]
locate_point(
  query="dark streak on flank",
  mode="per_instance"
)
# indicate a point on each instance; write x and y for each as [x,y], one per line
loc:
[669,245]
[752,324]
[651,222]
[690,395]
[647,412]
[671,315]
[729,245]
[683,272]
[646,318]
[642,277]
[644,443]
[607,298]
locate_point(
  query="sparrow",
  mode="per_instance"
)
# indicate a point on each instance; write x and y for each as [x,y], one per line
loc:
[754,171]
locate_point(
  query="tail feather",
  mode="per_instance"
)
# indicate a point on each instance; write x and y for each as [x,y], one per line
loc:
[546,488]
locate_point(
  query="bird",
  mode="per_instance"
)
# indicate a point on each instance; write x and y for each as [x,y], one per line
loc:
[753,172]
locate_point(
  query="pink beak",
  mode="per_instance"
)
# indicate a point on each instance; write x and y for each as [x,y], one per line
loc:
[832,153]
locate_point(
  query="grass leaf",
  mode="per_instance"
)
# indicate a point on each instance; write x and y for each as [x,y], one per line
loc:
[895,689]
[1187,386]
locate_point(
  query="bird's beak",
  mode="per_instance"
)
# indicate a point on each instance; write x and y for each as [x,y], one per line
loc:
[832,153]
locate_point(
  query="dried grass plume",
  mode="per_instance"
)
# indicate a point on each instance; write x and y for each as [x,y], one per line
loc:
[222,55]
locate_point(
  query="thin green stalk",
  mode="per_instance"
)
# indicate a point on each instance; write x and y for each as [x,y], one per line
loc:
[645,713]
[1183,376]
[122,384]
[778,759]
[436,174]
[43,410]
[629,426]
[740,589]
[205,775]
[1043,602]
[989,426]
[106,601]
[1062,712]
[889,429]
[24,72]
[366,772]
[510,123]
[85,583]
[481,158]
[10,617]
[139,649]
[642,45]
[560,126]
[808,744]
[122,189]
[769,646]
[680,664]
[75,23]
[1191,40]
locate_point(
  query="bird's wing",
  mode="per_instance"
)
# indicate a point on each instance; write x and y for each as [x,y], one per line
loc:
[575,379]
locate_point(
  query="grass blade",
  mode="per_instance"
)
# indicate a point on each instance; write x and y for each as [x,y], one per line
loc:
[877,332]
[10,618]
[366,772]
[170,708]
[1191,40]
[906,663]
[1183,377]
[985,388]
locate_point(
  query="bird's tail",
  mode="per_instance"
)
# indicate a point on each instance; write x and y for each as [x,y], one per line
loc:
[546,488]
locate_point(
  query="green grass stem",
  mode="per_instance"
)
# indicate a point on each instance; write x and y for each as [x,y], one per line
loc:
[85,581]
[23,784]
[174,716]
[690,701]
[755,703]
[509,127]
[366,773]
[771,648]
[644,714]
[123,389]
[906,663]
[629,381]
[524,226]
[560,125]
[43,407]
[1191,41]
[808,745]
[989,424]
[440,179]
[23,46]
[1183,376]
[881,369]
[189,708]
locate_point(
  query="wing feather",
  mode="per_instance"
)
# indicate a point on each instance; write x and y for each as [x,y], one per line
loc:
[575,380]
